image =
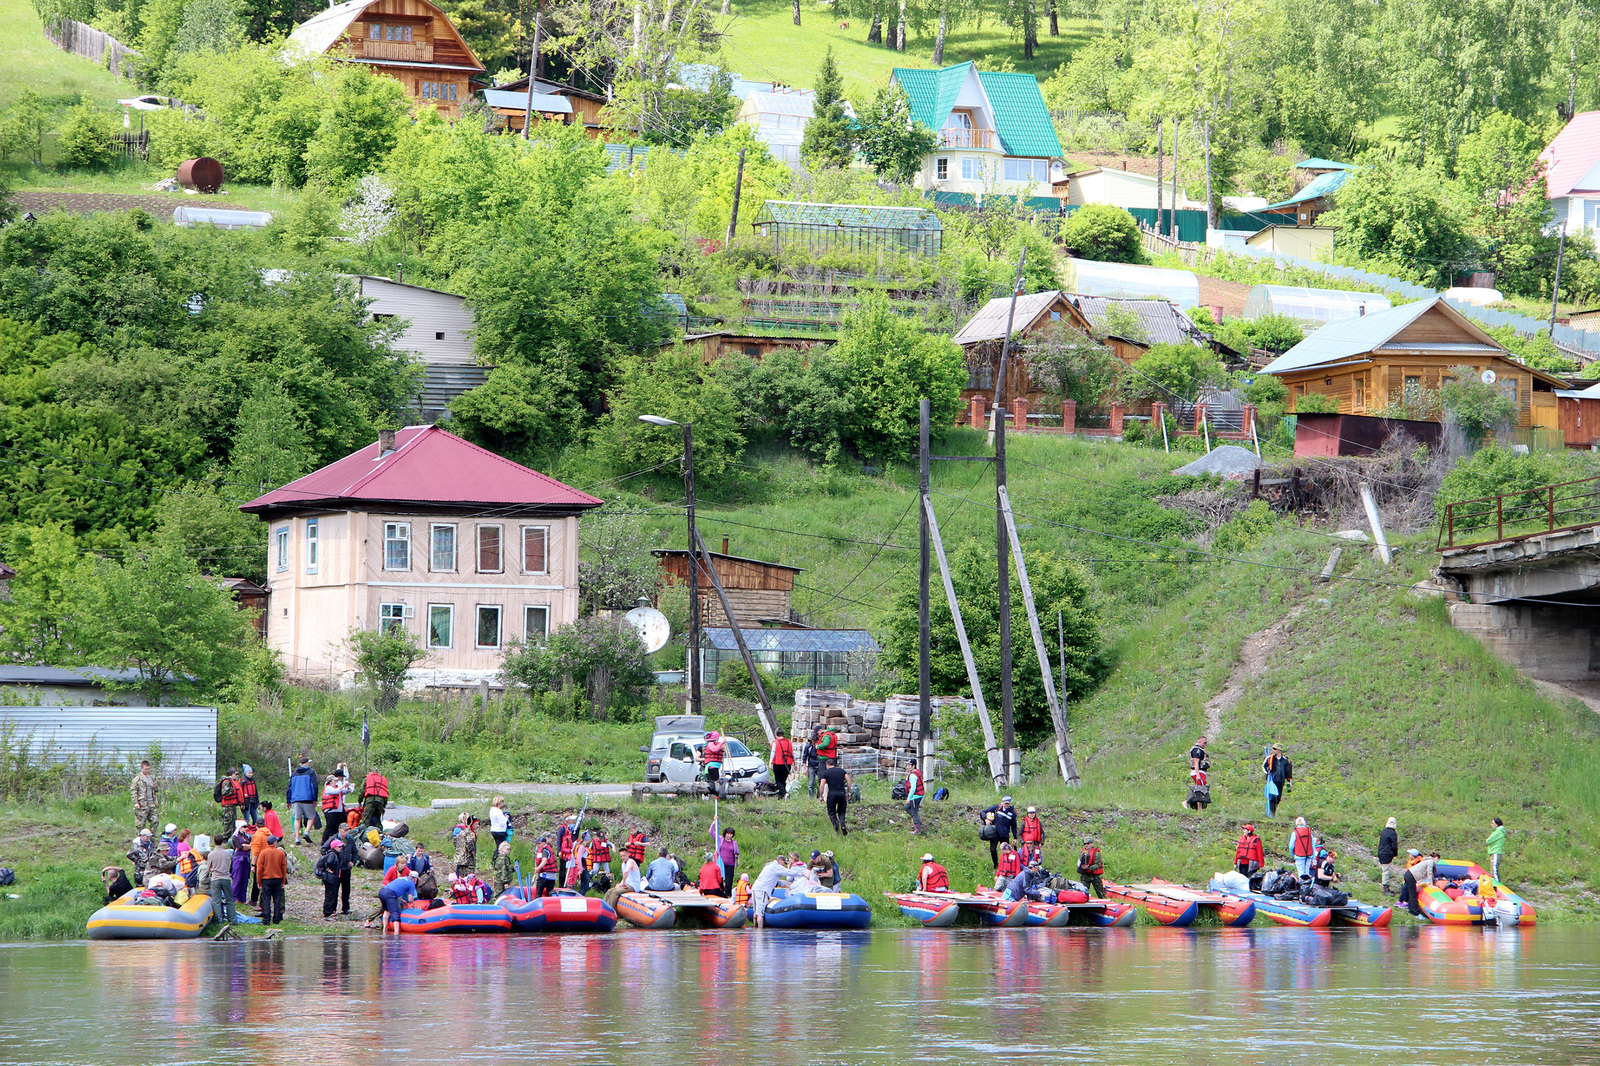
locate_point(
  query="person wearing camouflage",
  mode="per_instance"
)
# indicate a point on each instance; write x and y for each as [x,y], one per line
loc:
[146,798]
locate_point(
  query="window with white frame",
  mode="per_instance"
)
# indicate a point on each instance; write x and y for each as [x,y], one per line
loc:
[941,168]
[397,545]
[311,545]
[281,537]
[1027,170]
[441,624]
[489,550]
[535,624]
[971,169]
[488,626]
[535,549]
[442,548]
[391,618]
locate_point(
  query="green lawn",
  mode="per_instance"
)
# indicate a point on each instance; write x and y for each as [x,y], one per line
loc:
[764,44]
[31,61]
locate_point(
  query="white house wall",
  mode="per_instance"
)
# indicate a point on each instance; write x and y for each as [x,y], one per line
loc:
[441,324]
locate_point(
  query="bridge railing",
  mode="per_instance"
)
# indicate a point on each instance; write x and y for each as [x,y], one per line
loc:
[1519,515]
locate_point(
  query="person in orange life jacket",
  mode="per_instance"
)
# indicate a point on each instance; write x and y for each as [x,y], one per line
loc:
[634,848]
[1009,866]
[1302,847]
[578,873]
[227,794]
[249,794]
[1090,867]
[710,883]
[545,866]
[600,855]
[932,877]
[334,790]
[374,798]
[741,891]
[1249,856]
[782,763]
[711,756]
[916,789]
[1032,828]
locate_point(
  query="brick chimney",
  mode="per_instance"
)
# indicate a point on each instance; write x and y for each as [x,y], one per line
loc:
[385,442]
[724,545]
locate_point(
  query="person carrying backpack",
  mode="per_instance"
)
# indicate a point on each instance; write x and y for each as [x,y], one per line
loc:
[249,794]
[782,763]
[827,747]
[808,754]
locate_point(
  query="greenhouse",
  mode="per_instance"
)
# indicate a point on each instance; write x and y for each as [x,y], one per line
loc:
[1311,306]
[1088,278]
[818,657]
[851,228]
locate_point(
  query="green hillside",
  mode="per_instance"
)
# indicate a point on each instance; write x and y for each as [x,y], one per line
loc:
[33,62]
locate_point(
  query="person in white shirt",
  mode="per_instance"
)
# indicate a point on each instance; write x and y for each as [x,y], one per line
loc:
[499,821]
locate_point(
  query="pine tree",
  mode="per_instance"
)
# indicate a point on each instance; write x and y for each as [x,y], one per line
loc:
[830,139]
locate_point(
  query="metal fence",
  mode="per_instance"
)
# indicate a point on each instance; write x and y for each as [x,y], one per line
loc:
[1518,515]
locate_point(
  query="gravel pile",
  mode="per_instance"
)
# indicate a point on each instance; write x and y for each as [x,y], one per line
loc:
[1227,460]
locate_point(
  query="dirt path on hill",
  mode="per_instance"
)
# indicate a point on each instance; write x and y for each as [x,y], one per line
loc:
[1254,652]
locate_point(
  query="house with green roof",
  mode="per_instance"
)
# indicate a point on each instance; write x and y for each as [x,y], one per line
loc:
[994,130]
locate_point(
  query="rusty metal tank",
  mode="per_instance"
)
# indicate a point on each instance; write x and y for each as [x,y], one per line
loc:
[203,174]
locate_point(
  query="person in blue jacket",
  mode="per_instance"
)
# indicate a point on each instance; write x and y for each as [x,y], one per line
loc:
[304,788]
[1005,823]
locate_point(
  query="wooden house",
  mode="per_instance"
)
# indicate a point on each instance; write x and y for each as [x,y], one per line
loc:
[553,101]
[412,41]
[759,591]
[1365,362]
[724,343]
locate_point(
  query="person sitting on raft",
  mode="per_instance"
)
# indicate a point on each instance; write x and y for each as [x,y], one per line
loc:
[710,883]
[932,877]
[468,888]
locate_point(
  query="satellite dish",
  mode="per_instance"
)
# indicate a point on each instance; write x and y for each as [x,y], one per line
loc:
[652,626]
[1487,377]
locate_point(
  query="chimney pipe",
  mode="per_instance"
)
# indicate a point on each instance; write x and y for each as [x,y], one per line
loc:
[724,545]
[1363,310]
[385,442]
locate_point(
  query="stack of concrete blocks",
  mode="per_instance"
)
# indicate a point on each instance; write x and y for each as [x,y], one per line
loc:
[873,737]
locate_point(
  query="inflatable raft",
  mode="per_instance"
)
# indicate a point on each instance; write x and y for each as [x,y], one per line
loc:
[122,919]
[564,912]
[1102,913]
[927,908]
[1499,906]
[1234,911]
[664,910]
[1363,915]
[1290,912]
[1163,907]
[646,911]
[418,917]
[1049,915]
[818,910]
[988,910]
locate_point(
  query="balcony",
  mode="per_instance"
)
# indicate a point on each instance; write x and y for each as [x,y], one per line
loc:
[962,137]
[404,51]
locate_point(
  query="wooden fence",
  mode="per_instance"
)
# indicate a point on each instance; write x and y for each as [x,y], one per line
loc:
[134,144]
[90,43]
[1159,244]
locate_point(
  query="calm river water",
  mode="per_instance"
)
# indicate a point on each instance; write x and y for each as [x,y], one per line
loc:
[1414,997]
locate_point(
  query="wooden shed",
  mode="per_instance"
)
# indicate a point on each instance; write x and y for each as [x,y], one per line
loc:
[1579,416]
[723,343]
[759,591]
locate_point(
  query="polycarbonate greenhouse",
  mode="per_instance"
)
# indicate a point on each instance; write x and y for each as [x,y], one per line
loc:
[1089,278]
[1311,306]
[819,657]
[861,228]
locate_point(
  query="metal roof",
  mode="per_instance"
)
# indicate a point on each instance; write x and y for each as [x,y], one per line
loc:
[658,552]
[1572,154]
[774,103]
[1020,116]
[1162,321]
[792,640]
[186,737]
[428,467]
[989,323]
[325,29]
[1321,185]
[82,676]
[518,101]
[858,216]
[1323,164]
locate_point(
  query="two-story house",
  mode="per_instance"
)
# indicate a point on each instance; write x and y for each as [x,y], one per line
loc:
[438,333]
[412,41]
[994,131]
[424,532]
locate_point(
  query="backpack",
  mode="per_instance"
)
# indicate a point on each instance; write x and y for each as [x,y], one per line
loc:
[941,793]
[324,869]
[898,792]
[427,885]
[216,793]
[8,876]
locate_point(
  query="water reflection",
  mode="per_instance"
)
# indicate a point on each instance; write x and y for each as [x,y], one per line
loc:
[1113,996]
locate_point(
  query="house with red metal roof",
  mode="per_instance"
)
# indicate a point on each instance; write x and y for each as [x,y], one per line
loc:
[1572,174]
[424,532]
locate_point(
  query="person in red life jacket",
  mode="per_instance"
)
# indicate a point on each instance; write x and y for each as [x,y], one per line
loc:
[566,836]
[600,857]
[916,789]
[827,747]
[634,848]
[1249,856]
[712,754]
[782,763]
[545,867]
[1032,830]
[249,795]
[1029,853]
[374,798]
[710,883]
[334,790]
[932,877]
[1090,867]
[1009,866]
[1302,845]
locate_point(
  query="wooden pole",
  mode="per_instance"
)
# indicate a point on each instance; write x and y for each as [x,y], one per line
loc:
[1003,587]
[1555,289]
[1064,759]
[533,70]
[924,636]
[768,721]
[693,659]
[738,186]
[996,766]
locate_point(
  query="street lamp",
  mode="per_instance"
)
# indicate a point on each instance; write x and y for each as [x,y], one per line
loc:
[692,660]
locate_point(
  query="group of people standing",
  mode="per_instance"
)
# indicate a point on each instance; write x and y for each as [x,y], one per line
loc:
[1276,768]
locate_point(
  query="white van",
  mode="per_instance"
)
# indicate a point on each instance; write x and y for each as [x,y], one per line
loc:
[674,753]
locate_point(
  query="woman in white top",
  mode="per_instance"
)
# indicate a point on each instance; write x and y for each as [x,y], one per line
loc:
[499,821]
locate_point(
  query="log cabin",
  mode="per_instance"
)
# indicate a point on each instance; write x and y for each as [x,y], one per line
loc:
[1407,352]
[412,41]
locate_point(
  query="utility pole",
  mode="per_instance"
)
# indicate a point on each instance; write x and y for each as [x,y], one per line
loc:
[738,185]
[1161,149]
[1003,542]
[533,68]
[1555,290]
[692,659]
[924,638]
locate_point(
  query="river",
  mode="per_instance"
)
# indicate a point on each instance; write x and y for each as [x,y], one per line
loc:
[1146,995]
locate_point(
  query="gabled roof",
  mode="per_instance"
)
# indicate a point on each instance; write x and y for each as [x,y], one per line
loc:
[1321,185]
[549,88]
[319,33]
[989,323]
[428,468]
[1162,321]
[1021,119]
[1572,155]
[1354,339]
[662,553]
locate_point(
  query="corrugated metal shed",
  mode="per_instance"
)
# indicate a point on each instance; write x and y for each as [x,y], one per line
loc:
[184,737]
[1162,321]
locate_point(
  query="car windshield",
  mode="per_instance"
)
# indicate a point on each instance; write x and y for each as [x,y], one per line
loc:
[736,749]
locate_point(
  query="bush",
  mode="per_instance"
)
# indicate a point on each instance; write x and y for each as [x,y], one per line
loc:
[1496,471]
[85,137]
[601,657]
[1247,529]
[1315,403]
[1104,234]
[733,679]
[383,658]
